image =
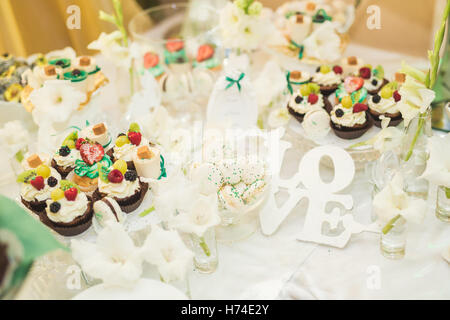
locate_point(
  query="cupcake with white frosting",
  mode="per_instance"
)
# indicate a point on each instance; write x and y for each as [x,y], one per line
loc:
[386,104]
[350,121]
[97,133]
[69,211]
[296,78]
[351,65]
[328,78]
[307,98]
[373,78]
[66,156]
[88,65]
[32,161]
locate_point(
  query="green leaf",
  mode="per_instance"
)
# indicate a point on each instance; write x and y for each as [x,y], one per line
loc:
[146,212]
[107,17]
[19,156]
[413,72]
[36,239]
[447,193]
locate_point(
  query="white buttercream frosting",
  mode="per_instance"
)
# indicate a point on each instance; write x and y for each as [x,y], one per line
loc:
[304,106]
[119,190]
[69,209]
[384,106]
[103,138]
[349,119]
[370,86]
[69,160]
[127,151]
[327,79]
[30,193]
[351,69]
[45,158]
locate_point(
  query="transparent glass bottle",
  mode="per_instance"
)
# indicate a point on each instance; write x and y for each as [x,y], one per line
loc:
[205,251]
[443,204]
[414,155]
[393,243]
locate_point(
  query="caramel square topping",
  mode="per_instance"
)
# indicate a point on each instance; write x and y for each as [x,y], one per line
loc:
[50,70]
[299,18]
[85,61]
[34,161]
[144,152]
[296,75]
[400,77]
[99,129]
[352,61]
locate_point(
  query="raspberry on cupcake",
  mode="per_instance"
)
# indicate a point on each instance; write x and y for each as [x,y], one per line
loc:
[348,120]
[65,157]
[68,211]
[373,78]
[308,97]
[123,185]
[385,104]
[36,187]
[328,78]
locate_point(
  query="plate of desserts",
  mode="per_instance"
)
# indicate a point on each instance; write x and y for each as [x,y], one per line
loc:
[343,105]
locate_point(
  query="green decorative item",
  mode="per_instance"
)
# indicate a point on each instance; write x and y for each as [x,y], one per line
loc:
[321,16]
[63,63]
[83,169]
[300,47]
[28,238]
[163,168]
[235,81]
[290,83]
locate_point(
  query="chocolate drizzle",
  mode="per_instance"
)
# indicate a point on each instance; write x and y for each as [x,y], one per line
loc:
[106,201]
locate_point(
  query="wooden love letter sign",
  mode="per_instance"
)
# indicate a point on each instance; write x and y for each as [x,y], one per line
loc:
[319,194]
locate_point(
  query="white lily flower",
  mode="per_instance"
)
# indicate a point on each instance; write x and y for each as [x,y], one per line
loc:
[55,101]
[323,43]
[416,98]
[438,165]
[392,200]
[113,258]
[389,138]
[13,137]
[202,215]
[111,47]
[278,118]
[167,251]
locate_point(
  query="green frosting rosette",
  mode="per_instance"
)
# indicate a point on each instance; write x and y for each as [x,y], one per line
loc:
[357,96]
[63,63]
[82,169]
[75,75]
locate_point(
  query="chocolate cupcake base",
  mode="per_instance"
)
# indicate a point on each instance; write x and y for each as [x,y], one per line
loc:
[395,118]
[373,92]
[354,132]
[37,207]
[76,227]
[298,116]
[62,171]
[128,204]
[328,90]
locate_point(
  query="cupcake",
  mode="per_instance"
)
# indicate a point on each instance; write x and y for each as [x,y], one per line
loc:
[107,210]
[385,104]
[78,79]
[87,169]
[353,87]
[66,156]
[351,65]
[206,58]
[296,78]
[126,145]
[306,99]
[298,27]
[373,78]
[319,18]
[148,162]
[348,120]
[152,64]
[174,52]
[328,79]
[69,211]
[96,133]
[37,186]
[123,185]
[63,64]
[88,65]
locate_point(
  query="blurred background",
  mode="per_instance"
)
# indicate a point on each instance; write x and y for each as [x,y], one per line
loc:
[32,26]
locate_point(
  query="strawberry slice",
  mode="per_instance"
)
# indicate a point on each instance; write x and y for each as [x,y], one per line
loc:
[150,60]
[352,84]
[174,45]
[205,52]
[91,153]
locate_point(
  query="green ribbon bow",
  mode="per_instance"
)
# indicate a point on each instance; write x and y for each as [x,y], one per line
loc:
[163,168]
[300,47]
[290,83]
[233,81]
[321,13]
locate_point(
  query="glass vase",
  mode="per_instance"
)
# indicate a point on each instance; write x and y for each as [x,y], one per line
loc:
[414,155]
[205,251]
[393,242]
[443,204]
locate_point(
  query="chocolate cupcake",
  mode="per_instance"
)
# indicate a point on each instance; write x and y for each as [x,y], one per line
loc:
[350,123]
[385,104]
[295,79]
[125,188]
[69,211]
[307,98]
[37,186]
[66,156]
[373,78]
[328,79]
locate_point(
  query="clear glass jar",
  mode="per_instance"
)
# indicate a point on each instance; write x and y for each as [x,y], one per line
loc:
[205,251]
[415,155]
[393,243]
[443,204]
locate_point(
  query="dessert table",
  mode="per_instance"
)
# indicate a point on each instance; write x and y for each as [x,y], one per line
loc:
[279,266]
